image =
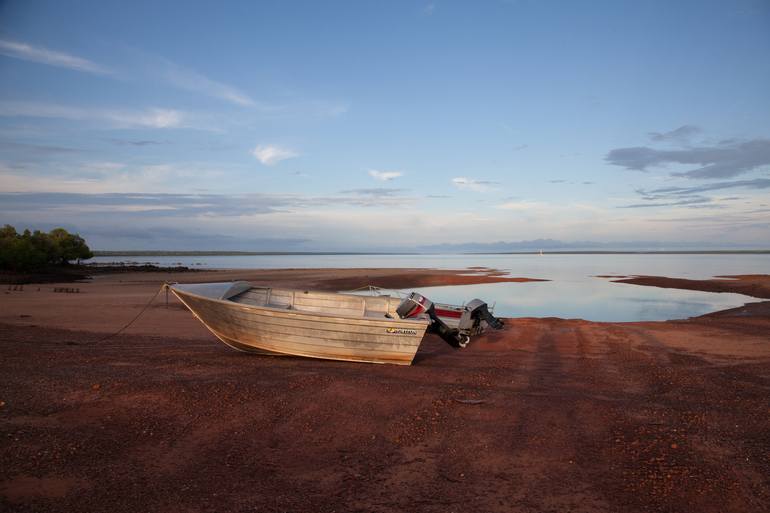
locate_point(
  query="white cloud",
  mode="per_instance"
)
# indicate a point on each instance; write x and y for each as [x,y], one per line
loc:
[384,176]
[27,52]
[269,154]
[471,184]
[151,118]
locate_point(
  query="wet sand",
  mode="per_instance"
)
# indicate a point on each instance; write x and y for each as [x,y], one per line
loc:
[547,415]
[757,285]
[109,301]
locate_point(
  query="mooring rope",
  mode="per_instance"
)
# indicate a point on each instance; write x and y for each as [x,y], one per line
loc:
[121,330]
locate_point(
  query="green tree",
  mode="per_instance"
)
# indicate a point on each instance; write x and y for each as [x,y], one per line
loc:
[8,238]
[69,246]
[7,232]
[35,250]
[27,251]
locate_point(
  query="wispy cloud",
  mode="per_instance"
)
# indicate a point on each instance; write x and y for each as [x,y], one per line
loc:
[270,154]
[150,118]
[384,176]
[693,197]
[155,118]
[186,205]
[663,192]
[429,9]
[720,161]
[375,191]
[104,166]
[27,52]
[678,135]
[161,205]
[689,202]
[107,177]
[165,237]
[368,197]
[472,184]
[136,142]
[559,181]
[182,77]
[193,81]
[39,150]
[158,68]
[315,108]
[522,205]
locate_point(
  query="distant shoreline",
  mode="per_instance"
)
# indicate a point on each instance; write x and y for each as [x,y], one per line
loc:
[307,253]
[235,253]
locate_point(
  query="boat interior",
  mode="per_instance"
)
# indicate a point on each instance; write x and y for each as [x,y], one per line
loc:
[346,305]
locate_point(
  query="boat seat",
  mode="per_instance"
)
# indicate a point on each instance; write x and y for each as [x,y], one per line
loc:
[377,314]
[281,307]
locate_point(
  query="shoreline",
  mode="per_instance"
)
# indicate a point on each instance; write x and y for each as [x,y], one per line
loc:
[107,300]
[150,253]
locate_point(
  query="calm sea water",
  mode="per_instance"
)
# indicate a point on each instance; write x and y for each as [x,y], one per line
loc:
[574,291]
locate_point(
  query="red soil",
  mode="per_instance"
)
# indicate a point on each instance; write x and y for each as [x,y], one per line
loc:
[547,415]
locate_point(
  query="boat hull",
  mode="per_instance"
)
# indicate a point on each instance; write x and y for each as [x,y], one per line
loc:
[293,332]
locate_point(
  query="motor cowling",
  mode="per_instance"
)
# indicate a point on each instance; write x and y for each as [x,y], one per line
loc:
[475,312]
[414,305]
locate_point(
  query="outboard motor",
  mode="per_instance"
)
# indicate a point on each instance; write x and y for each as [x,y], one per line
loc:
[475,312]
[417,304]
[470,323]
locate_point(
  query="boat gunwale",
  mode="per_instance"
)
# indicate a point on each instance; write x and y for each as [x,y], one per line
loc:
[294,312]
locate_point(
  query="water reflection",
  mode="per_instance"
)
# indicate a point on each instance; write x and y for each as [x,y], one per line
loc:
[592,299]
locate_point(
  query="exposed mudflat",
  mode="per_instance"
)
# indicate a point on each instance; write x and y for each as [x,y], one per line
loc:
[757,285]
[547,415]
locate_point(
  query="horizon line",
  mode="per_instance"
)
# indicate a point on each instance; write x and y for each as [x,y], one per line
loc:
[107,253]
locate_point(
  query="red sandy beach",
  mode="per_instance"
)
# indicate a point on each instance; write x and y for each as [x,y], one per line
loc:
[547,415]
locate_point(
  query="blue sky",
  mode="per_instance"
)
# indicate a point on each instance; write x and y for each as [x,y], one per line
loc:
[386,125]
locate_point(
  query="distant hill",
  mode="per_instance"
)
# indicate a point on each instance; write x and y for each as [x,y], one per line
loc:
[525,246]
